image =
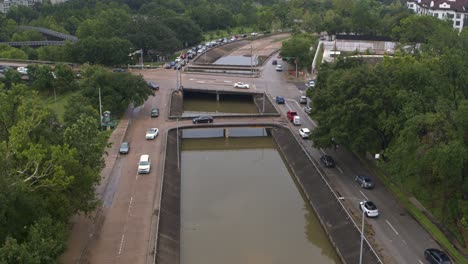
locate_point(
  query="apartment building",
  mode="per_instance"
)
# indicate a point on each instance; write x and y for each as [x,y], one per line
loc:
[454,10]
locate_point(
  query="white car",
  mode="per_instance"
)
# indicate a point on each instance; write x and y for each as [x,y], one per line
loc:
[152,133]
[369,208]
[22,70]
[304,132]
[241,85]
[303,99]
[279,67]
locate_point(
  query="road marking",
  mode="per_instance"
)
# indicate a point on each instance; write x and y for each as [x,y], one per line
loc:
[394,230]
[121,243]
[364,195]
[340,169]
[323,151]
[420,261]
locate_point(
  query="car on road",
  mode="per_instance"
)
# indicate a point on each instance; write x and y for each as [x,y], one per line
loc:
[152,133]
[279,67]
[327,161]
[310,83]
[172,64]
[22,70]
[307,109]
[144,165]
[303,99]
[364,181]
[155,112]
[202,119]
[304,132]
[241,85]
[435,256]
[274,62]
[369,208]
[153,85]
[124,148]
[279,99]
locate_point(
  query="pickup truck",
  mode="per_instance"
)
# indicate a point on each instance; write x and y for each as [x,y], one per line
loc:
[293,117]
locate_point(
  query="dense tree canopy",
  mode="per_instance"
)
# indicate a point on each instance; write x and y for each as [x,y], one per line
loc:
[412,108]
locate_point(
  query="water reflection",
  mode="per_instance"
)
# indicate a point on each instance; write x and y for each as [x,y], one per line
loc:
[238,60]
[239,204]
[226,104]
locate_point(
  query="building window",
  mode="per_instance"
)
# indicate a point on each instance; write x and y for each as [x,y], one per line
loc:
[457,23]
[458,15]
[450,16]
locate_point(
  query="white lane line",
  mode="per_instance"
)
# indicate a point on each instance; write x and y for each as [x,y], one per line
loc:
[121,243]
[323,151]
[340,169]
[364,195]
[394,230]
[420,261]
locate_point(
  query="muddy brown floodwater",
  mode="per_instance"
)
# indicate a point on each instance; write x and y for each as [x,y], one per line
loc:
[240,204]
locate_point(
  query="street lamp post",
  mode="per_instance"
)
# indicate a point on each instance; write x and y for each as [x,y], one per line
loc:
[362,228]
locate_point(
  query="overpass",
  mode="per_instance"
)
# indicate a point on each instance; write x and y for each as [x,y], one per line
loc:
[48,32]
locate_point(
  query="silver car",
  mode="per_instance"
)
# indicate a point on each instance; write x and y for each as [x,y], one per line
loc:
[364,181]
[124,148]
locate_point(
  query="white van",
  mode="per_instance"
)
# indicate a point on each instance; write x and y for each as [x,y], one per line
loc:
[144,165]
[297,120]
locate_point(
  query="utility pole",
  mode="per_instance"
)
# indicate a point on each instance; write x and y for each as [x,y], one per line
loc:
[141,53]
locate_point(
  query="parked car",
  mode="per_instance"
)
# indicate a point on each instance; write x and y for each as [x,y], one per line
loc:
[369,208]
[119,70]
[3,68]
[279,67]
[167,66]
[364,181]
[155,112]
[279,100]
[327,161]
[307,109]
[303,99]
[172,63]
[274,62]
[241,85]
[124,148]
[22,70]
[435,256]
[152,133]
[304,132]
[153,86]
[203,119]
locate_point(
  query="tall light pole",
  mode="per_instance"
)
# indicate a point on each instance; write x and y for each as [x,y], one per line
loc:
[362,227]
[100,109]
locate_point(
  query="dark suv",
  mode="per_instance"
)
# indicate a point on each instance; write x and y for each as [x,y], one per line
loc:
[435,256]
[202,119]
[364,181]
[327,161]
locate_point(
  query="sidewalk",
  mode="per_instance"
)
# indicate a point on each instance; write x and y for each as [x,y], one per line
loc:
[85,227]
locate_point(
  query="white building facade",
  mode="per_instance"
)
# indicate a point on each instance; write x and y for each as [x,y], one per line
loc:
[453,10]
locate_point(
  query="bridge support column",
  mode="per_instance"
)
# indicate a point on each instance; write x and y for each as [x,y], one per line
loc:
[226,132]
[217,96]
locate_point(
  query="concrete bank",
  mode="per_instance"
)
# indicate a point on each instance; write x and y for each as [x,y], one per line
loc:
[340,229]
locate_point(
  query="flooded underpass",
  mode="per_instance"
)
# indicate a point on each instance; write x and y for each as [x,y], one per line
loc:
[222,103]
[233,194]
[239,203]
